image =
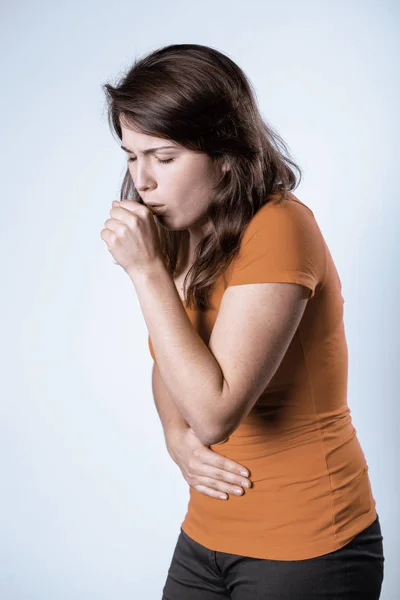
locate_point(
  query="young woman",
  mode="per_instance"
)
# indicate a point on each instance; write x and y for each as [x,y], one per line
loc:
[244,310]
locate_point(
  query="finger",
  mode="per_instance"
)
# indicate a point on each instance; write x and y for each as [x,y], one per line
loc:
[132,205]
[203,489]
[118,211]
[230,478]
[200,468]
[107,235]
[222,486]
[222,463]
[230,465]
[130,217]
[116,227]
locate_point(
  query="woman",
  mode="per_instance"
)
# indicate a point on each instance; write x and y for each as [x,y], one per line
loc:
[250,358]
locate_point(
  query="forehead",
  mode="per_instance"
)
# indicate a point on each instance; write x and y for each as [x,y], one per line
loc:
[138,140]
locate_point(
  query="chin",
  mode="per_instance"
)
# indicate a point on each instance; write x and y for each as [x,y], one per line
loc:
[171,224]
[172,227]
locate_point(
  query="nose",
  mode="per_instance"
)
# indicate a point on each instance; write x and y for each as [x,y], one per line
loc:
[143,179]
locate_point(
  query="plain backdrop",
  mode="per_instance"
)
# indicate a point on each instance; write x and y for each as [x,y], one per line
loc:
[90,501]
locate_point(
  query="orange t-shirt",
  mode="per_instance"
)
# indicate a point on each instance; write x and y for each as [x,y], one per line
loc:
[311,490]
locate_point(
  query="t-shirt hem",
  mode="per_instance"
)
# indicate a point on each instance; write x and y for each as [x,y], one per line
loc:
[256,548]
[281,277]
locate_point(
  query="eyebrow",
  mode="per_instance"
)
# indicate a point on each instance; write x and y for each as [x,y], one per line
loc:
[150,150]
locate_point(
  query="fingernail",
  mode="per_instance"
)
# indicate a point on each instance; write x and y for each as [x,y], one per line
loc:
[244,473]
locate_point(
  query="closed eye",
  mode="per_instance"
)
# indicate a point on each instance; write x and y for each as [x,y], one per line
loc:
[164,162]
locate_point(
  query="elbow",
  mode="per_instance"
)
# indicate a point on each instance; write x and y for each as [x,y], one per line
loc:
[208,433]
[209,440]
[209,436]
[219,429]
[220,434]
[205,435]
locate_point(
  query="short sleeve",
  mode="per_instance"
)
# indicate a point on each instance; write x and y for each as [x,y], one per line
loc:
[282,243]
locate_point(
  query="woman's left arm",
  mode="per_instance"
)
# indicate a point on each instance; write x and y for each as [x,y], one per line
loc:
[188,369]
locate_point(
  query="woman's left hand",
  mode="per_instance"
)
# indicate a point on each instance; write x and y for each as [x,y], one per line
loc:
[131,236]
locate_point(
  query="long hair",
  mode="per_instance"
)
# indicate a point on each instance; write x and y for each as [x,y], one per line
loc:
[201,99]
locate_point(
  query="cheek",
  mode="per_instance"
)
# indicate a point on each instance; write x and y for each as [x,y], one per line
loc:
[193,180]
[180,181]
[190,182]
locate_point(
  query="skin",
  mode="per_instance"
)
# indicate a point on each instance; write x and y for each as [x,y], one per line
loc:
[184,184]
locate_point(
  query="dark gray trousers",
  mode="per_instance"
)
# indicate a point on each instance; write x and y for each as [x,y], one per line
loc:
[355,572]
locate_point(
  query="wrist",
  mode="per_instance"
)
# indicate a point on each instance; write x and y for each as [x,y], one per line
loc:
[153,270]
[173,436]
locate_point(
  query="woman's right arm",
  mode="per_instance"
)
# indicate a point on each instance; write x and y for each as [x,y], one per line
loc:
[203,469]
[170,416]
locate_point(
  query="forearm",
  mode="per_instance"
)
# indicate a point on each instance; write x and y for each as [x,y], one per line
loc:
[171,419]
[191,374]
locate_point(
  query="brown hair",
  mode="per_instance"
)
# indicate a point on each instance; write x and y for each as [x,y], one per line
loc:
[201,99]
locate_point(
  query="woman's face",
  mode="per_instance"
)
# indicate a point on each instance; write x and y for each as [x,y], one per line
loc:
[174,176]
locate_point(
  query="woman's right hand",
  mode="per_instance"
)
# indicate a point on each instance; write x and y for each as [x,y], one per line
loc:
[204,470]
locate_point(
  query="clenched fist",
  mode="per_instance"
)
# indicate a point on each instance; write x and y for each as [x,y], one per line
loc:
[131,236]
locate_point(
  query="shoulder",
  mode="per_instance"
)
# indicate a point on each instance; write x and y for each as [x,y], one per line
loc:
[282,218]
[282,243]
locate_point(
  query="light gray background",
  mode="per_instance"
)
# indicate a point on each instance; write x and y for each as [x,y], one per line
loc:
[91,503]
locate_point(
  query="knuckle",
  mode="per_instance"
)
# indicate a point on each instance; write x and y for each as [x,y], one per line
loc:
[212,484]
[219,474]
[224,463]
[133,220]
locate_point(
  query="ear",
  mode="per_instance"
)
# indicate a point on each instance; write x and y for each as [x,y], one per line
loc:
[221,166]
[225,167]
